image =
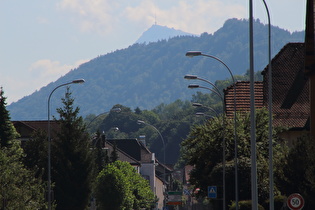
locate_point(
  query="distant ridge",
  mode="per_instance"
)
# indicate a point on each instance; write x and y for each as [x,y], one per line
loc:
[157,33]
[147,75]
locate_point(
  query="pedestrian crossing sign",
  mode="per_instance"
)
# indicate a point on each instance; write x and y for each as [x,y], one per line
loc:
[212,191]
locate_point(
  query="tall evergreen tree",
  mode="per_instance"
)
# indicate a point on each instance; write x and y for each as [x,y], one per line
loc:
[7,130]
[19,189]
[72,160]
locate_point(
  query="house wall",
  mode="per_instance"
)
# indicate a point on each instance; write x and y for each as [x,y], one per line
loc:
[147,171]
[159,193]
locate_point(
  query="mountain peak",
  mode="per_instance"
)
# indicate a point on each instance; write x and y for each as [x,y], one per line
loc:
[157,32]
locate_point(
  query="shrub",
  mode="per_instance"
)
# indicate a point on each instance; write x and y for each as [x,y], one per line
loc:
[245,205]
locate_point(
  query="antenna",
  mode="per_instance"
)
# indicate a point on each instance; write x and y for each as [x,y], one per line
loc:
[155,23]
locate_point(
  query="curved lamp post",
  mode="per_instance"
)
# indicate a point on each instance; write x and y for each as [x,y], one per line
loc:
[203,114]
[271,194]
[116,109]
[78,81]
[223,141]
[210,108]
[145,123]
[198,53]
[189,76]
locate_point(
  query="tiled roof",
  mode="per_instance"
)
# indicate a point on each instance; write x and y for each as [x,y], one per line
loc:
[290,88]
[26,128]
[242,97]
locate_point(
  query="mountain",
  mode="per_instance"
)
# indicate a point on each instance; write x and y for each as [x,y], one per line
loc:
[146,75]
[157,33]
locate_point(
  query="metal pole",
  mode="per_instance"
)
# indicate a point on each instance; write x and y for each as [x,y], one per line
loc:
[252,112]
[271,182]
[49,139]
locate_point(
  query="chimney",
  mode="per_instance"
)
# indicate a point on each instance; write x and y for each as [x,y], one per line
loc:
[310,59]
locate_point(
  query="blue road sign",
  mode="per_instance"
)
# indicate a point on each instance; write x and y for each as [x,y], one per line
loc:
[212,191]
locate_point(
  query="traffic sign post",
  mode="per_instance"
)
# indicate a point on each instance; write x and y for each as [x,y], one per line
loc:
[295,201]
[174,198]
[212,191]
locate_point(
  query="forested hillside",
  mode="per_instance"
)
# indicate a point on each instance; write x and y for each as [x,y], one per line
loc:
[147,75]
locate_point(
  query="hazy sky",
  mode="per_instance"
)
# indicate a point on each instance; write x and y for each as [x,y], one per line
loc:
[42,40]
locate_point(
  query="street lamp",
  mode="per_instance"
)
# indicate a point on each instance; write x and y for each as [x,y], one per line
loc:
[115,109]
[203,114]
[223,136]
[210,108]
[190,77]
[78,81]
[145,123]
[198,53]
[192,86]
[271,195]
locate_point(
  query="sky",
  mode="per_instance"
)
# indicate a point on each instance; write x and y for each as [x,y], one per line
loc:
[42,40]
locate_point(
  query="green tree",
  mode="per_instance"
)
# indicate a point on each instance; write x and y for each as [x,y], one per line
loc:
[112,191]
[120,187]
[72,160]
[298,171]
[19,189]
[203,149]
[35,150]
[7,130]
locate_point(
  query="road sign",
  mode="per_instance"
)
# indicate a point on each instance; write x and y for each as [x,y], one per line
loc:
[212,191]
[173,203]
[174,198]
[295,201]
[186,192]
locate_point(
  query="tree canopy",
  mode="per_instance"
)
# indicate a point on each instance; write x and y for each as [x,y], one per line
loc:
[120,187]
[203,150]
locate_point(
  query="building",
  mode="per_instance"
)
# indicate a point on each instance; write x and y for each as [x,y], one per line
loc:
[290,92]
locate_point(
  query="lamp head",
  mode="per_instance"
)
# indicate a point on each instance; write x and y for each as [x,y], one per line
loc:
[193,53]
[140,122]
[188,76]
[197,104]
[78,81]
[193,86]
[200,114]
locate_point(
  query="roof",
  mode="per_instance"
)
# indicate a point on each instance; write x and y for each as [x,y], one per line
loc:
[122,155]
[138,151]
[134,148]
[290,90]
[290,87]
[27,128]
[242,97]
